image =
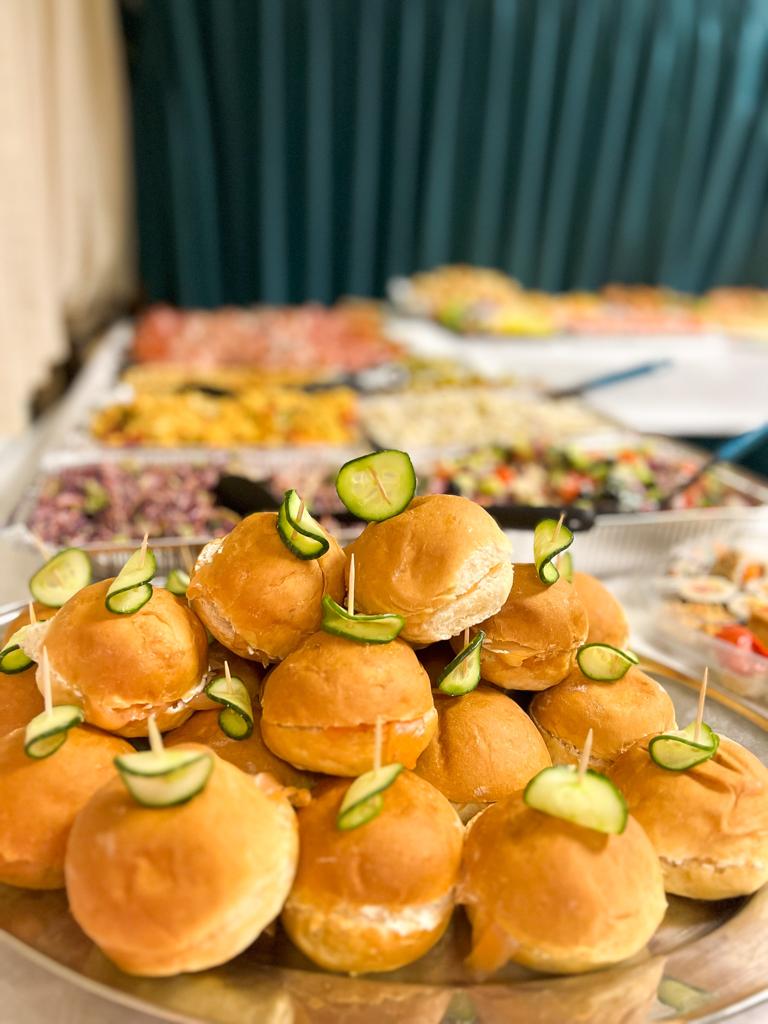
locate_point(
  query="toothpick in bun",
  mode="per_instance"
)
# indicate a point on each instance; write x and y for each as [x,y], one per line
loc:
[123,668]
[20,698]
[708,824]
[375,897]
[39,799]
[531,641]
[618,712]
[258,598]
[555,896]
[443,564]
[162,890]
[485,749]
[320,706]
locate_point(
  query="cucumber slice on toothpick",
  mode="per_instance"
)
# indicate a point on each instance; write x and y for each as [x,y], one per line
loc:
[462,675]
[177,582]
[12,656]
[591,800]
[47,731]
[301,534]
[363,800]
[550,538]
[377,486]
[364,629]
[164,778]
[131,589]
[604,663]
[565,566]
[61,577]
[680,750]
[236,720]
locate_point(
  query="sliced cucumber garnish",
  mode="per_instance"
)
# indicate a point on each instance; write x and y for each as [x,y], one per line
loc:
[677,751]
[462,674]
[363,800]
[591,801]
[565,566]
[61,577]
[301,534]
[377,486]
[131,589]
[177,582]
[12,656]
[364,629]
[604,663]
[550,538]
[236,720]
[47,731]
[165,778]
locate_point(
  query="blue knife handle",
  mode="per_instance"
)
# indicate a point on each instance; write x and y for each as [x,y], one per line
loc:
[737,447]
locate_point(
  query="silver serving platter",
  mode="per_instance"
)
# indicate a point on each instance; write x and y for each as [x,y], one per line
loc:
[707,961]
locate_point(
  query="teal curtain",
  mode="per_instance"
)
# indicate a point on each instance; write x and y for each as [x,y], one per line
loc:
[304,149]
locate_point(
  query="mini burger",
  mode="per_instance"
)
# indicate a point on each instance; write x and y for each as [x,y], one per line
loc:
[607,621]
[258,598]
[251,755]
[376,897]
[708,824]
[39,800]
[443,564]
[120,669]
[321,705]
[531,642]
[618,712]
[163,890]
[555,896]
[20,699]
[485,748]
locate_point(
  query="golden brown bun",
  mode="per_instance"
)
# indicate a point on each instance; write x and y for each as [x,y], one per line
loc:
[320,706]
[122,668]
[709,824]
[42,614]
[182,888]
[485,748]
[443,564]
[379,896]
[256,597]
[531,642]
[40,798]
[554,896]
[618,713]
[607,621]
[251,755]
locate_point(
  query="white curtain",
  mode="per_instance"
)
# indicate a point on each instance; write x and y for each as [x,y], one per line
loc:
[66,217]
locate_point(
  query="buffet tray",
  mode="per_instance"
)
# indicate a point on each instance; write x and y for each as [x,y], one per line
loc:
[707,961]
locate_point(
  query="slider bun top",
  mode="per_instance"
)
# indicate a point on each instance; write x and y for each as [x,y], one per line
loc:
[619,713]
[709,824]
[485,748]
[607,621]
[166,890]
[256,597]
[122,668]
[40,798]
[251,755]
[530,643]
[555,896]
[409,854]
[443,564]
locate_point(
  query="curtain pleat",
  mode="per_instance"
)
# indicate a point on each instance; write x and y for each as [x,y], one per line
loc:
[294,149]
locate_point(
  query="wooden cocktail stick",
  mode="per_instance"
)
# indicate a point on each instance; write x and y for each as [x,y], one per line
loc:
[47,696]
[32,613]
[228,676]
[559,527]
[466,635]
[585,755]
[700,708]
[144,549]
[302,506]
[41,546]
[379,484]
[186,557]
[378,742]
[351,589]
[155,739]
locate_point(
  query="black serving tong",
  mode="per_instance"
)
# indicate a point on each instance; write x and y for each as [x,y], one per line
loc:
[245,496]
